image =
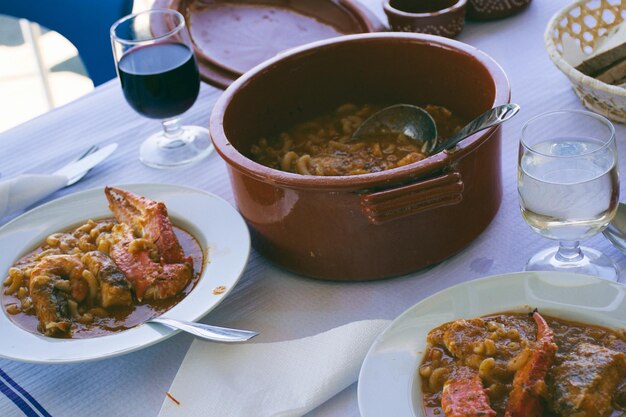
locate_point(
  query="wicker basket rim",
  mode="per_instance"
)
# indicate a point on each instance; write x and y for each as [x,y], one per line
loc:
[564,66]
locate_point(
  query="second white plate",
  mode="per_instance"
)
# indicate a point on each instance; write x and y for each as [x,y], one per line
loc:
[389,384]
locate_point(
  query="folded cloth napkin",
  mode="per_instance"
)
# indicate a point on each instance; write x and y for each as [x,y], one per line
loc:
[24,190]
[282,379]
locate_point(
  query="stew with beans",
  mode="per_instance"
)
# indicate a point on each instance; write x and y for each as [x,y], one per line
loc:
[585,373]
[104,276]
[94,321]
[322,146]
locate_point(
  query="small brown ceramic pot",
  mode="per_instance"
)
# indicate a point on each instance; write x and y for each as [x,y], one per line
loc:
[494,9]
[439,17]
[377,225]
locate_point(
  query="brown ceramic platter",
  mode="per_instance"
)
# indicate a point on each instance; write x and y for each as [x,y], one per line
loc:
[232,36]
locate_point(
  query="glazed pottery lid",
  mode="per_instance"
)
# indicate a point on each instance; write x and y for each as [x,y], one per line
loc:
[232,36]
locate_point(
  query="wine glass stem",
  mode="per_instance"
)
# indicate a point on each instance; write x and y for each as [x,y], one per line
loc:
[172,131]
[569,251]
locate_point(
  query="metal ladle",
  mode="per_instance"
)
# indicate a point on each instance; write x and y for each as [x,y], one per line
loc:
[417,124]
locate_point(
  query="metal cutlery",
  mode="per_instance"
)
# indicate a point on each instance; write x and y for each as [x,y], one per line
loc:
[205,331]
[79,177]
[22,191]
[77,169]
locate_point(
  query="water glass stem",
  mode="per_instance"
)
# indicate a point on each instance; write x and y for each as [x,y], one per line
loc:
[569,251]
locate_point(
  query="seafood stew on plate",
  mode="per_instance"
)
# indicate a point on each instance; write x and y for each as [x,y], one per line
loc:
[582,309]
[105,275]
[215,225]
[521,365]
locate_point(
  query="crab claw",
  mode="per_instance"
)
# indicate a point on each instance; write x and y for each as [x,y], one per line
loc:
[145,246]
[529,382]
[148,219]
[464,396]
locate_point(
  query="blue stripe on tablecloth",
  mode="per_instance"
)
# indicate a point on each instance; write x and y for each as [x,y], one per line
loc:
[17,400]
[12,389]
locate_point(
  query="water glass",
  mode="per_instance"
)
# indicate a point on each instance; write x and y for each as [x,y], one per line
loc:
[568,183]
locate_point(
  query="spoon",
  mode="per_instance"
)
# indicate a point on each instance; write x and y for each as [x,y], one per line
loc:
[417,124]
[616,231]
[413,121]
[205,331]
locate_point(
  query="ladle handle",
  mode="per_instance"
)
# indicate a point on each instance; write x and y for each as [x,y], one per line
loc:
[486,120]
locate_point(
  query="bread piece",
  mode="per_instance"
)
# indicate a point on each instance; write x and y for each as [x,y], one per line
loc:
[608,50]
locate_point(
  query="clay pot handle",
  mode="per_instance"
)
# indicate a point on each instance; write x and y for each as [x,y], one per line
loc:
[410,199]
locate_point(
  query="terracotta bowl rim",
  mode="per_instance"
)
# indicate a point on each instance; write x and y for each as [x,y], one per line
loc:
[389,9]
[245,165]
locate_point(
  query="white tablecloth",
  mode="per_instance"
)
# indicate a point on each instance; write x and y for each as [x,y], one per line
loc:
[278,304]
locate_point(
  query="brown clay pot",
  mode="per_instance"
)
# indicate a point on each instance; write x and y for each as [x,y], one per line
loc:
[370,226]
[438,17]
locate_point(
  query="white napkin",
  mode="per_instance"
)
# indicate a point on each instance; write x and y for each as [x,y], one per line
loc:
[282,379]
[24,190]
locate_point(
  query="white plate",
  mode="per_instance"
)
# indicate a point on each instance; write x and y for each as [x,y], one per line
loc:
[216,225]
[389,384]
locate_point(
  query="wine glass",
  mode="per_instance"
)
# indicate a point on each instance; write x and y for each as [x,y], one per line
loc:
[159,77]
[568,185]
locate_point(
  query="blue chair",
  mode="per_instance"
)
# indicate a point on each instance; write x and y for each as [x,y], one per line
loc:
[85,23]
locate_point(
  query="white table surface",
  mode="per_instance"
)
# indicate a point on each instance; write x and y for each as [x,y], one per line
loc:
[278,304]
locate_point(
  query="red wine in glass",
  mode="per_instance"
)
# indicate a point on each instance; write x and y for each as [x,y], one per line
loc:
[159,80]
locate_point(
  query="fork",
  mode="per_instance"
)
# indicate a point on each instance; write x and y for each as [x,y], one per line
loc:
[76,178]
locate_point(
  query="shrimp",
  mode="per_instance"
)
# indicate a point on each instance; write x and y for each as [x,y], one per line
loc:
[54,280]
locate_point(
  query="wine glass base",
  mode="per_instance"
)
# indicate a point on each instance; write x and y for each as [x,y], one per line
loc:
[191,146]
[593,262]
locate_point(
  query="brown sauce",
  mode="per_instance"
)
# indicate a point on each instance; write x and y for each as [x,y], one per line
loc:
[118,318]
[511,332]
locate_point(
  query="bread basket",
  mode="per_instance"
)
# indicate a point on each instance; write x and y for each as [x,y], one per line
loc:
[570,37]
